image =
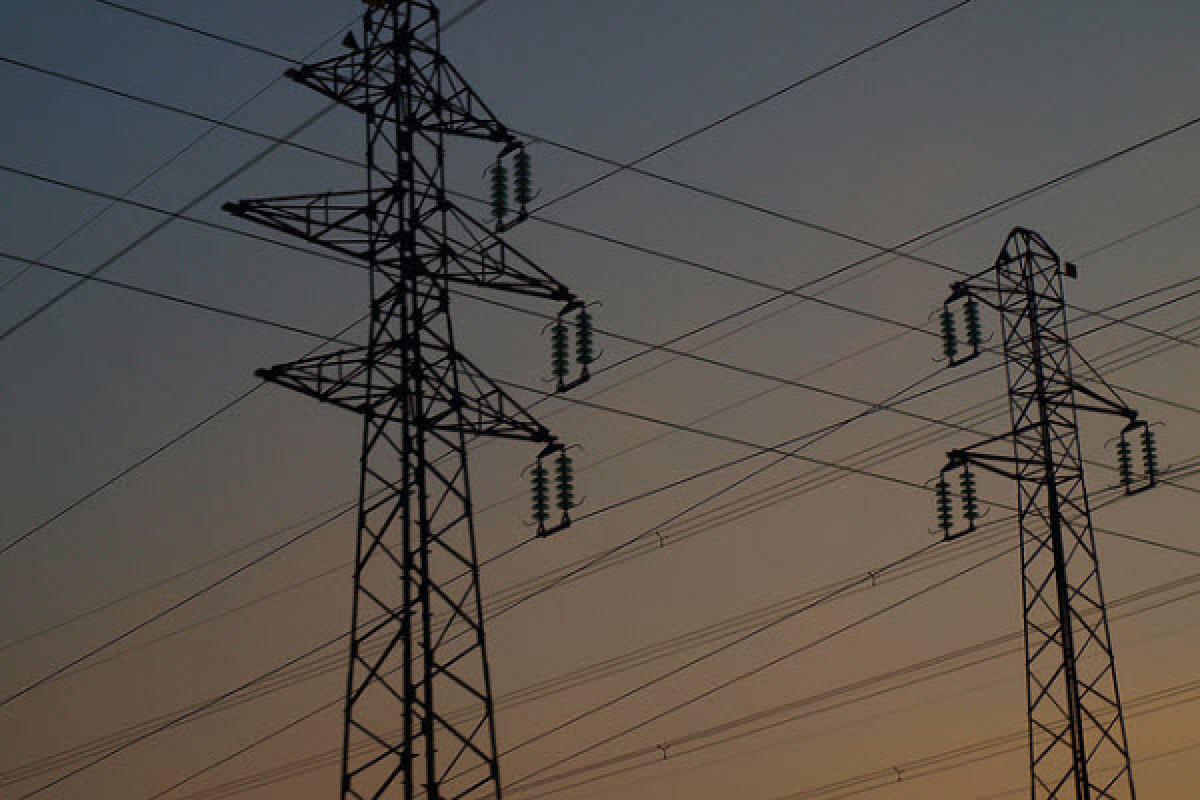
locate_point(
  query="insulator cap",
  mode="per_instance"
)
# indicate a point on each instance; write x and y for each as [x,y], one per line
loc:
[1125,462]
[949,335]
[970,499]
[499,191]
[565,480]
[945,508]
[972,322]
[560,351]
[523,177]
[585,333]
[540,493]
[1149,453]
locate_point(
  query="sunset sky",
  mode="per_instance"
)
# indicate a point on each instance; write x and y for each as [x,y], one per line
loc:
[901,688]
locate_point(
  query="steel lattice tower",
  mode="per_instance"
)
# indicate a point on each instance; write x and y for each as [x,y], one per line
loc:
[417,649]
[1077,739]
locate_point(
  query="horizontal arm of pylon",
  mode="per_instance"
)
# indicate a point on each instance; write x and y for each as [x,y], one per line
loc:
[456,396]
[1103,405]
[466,253]
[339,221]
[481,258]
[459,111]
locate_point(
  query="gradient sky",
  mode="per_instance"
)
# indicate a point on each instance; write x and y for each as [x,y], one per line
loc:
[992,99]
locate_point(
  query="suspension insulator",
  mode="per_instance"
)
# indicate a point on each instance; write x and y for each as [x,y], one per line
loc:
[949,336]
[565,480]
[1149,454]
[970,498]
[499,191]
[972,323]
[585,335]
[540,494]
[523,178]
[560,351]
[945,509]
[1125,462]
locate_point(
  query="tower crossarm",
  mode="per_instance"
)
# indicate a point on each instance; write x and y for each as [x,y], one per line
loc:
[464,252]
[362,80]
[456,395]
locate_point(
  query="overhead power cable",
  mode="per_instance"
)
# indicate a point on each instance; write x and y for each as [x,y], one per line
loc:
[897,251]
[1063,176]
[171,217]
[648,346]
[871,407]
[190,430]
[538,690]
[748,107]
[667,347]
[214,125]
[248,46]
[164,581]
[657,528]
[46,678]
[974,215]
[758,669]
[205,706]
[824,702]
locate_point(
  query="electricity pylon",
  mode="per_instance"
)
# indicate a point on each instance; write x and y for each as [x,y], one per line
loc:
[1078,746]
[417,644]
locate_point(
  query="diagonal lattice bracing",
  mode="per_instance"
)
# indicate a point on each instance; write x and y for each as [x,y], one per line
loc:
[1076,724]
[418,644]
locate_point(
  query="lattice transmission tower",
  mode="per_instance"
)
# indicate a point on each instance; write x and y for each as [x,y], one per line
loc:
[1078,747]
[419,715]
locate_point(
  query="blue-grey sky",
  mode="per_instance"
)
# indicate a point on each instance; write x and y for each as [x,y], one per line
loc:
[988,101]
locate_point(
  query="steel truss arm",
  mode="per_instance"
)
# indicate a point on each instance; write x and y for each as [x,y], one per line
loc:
[476,406]
[448,104]
[347,223]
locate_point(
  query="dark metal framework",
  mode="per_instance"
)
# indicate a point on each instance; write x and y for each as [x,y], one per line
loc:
[417,643]
[1077,739]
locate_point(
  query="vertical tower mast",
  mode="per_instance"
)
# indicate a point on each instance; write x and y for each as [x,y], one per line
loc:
[1077,738]
[418,650]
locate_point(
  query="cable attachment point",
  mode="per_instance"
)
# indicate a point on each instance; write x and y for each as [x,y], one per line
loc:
[968,496]
[972,326]
[560,346]
[563,489]
[522,185]
[1132,481]
[498,174]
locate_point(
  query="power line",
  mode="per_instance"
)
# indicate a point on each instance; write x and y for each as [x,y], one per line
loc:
[664,347]
[197,709]
[619,167]
[807,706]
[216,124]
[181,213]
[159,583]
[795,291]
[811,644]
[974,215]
[871,408]
[919,565]
[658,527]
[253,48]
[721,120]
[60,670]
[223,409]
